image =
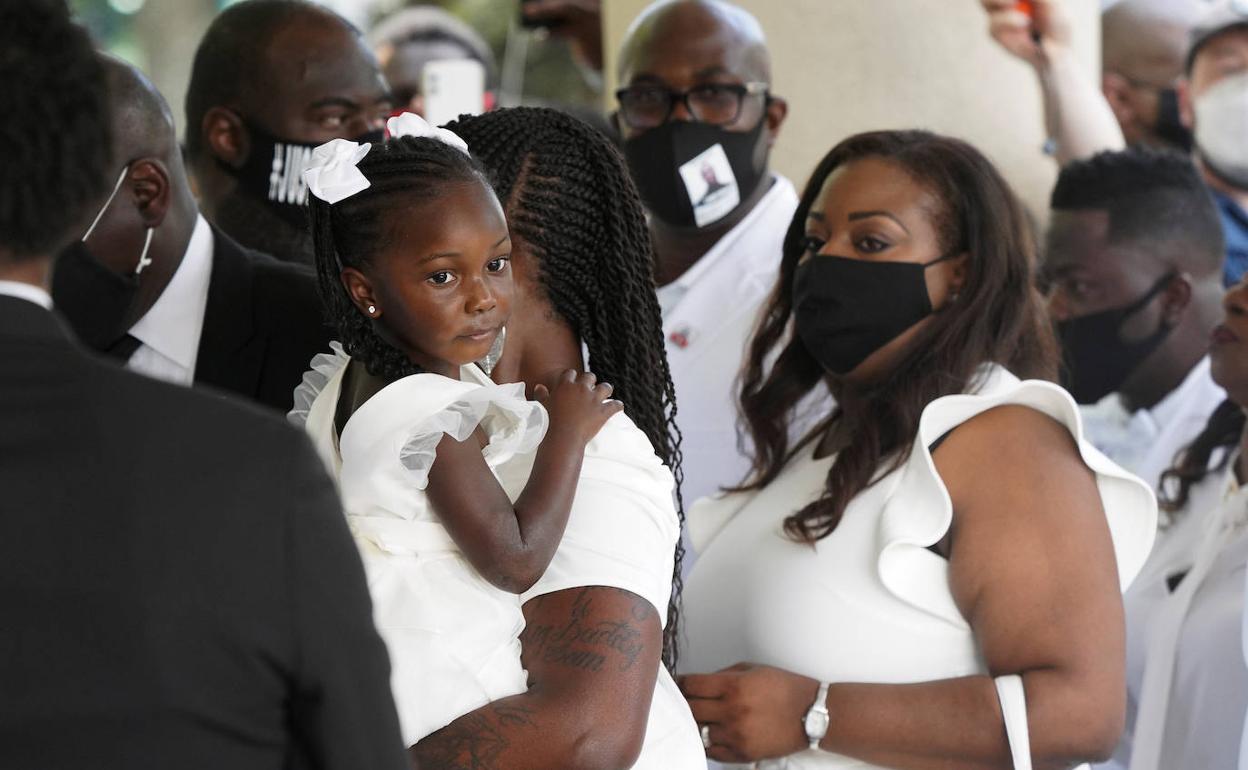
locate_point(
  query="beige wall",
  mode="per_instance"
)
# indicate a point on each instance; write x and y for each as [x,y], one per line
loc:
[852,65]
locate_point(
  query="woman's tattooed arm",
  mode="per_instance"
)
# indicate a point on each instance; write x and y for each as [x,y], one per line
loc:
[592,654]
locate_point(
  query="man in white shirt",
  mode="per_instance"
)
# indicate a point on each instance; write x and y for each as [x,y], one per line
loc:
[1134,266]
[698,121]
[154,286]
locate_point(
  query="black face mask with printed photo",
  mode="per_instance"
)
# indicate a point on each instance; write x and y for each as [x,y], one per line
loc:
[273,172]
[657,156]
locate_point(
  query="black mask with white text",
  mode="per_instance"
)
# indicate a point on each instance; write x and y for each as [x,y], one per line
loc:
[846,309]
[273,172]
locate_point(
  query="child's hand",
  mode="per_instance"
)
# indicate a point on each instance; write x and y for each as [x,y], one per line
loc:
[579,405]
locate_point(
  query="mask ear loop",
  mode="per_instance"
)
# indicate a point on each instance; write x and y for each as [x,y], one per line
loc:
[104,208]
[145,260]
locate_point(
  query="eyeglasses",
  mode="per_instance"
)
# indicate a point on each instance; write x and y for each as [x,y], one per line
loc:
[647,106]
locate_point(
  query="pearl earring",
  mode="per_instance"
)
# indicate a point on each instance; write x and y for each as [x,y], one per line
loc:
[372,310]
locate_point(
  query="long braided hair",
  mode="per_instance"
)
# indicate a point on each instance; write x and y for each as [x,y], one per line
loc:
[348,233]
[567,194]
[999,317]
[1221,432]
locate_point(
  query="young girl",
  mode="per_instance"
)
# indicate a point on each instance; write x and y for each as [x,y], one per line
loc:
[412,251]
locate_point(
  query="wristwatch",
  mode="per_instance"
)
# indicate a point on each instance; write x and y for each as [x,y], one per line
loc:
[816,719]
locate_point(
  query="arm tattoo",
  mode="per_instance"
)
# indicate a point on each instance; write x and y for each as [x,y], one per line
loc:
[475,741]
[589,644]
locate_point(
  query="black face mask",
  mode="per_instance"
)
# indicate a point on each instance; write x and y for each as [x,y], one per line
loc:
[684,180]
[846,309]
[1096,360]
[95,300]
[1169,126]
[273,172]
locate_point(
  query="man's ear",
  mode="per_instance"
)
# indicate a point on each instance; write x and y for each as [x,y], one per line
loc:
[1176,298]
[360,290]
[225,136]
[777,110]
[1187,107]
[1117,92]
[151,190]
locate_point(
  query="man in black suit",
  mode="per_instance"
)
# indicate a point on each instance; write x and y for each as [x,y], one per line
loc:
[177,584]
[155,285]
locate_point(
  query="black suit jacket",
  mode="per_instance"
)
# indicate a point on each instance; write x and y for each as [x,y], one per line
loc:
[178,588]
[262,325]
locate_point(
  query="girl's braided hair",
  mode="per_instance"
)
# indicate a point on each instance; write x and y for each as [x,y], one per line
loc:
[348,233]
[567,194]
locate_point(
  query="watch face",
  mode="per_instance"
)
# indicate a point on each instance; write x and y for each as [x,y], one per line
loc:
[816,724]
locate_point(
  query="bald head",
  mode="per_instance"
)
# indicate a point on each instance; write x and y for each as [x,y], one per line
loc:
[719,29]
[273,62]
[1146,40]
[142,122]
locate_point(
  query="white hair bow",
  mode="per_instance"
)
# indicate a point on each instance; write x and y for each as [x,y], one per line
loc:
[411,124]
[333,174]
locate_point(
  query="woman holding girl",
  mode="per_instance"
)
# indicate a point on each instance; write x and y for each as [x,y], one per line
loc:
[602,621]
[932,576]
[413,255]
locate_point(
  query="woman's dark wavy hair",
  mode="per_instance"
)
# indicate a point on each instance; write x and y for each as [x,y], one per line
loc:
[348,233]
[1222,431]
[569,198]
[999,316]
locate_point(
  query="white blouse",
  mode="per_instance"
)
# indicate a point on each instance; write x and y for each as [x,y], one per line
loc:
[1192,686]
[869,603]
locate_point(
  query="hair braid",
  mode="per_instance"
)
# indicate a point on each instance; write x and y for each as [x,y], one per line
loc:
[348,233]
[567,194]
[1222,432]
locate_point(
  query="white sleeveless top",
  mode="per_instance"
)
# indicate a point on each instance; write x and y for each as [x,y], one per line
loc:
[870,603]
[453,638]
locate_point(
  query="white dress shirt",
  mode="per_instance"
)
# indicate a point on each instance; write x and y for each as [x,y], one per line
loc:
[1146,442]
[169,331]
[26,291]
[709,314]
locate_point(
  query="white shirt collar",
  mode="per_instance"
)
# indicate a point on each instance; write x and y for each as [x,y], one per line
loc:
[26,291]
[777,197]
[173,325]
[1194,386]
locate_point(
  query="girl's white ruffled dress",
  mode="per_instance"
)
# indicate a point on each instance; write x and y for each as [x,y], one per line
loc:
[453,638]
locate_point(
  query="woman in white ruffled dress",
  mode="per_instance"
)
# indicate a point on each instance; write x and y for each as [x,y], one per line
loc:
[413,255]
[931,578]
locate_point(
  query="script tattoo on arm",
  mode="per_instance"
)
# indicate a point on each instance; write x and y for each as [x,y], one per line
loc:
[587,641]
[592,654]
[476,740]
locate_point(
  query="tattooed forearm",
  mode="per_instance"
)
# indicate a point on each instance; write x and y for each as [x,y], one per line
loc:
[589,642]
[475,741]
